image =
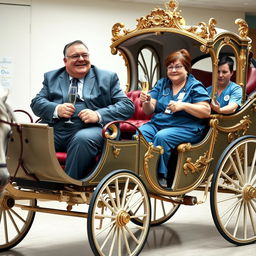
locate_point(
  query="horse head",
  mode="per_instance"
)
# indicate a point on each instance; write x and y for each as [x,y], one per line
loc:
[6,118]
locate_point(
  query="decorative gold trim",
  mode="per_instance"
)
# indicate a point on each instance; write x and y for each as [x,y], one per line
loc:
[116,151]
[243,28]
[233,131]
[169,18]
[199,165]
[114,131]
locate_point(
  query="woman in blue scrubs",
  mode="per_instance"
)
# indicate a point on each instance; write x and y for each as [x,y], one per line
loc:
[180,104]
[228,96]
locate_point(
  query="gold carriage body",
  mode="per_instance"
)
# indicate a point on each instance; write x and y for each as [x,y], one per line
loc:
[164,31]
[37,174]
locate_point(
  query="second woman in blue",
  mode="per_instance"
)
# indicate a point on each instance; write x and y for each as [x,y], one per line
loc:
[180,104]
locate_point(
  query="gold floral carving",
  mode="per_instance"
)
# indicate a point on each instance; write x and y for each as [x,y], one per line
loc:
[243,27]
[236,130]
[169,18]
[198,166]
[116,151]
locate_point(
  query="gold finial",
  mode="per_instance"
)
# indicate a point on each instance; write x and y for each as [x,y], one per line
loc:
[243,27]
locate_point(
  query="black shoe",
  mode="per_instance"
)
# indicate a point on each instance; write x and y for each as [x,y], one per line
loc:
[163,182]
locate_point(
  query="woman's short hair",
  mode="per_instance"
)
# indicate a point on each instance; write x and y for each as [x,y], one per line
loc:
[183,56]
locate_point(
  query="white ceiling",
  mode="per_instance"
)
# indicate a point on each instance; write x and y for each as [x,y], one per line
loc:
[248,6]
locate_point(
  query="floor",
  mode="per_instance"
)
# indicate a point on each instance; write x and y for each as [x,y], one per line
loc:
[190,232]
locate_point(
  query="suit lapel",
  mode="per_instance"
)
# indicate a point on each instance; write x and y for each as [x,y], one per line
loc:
[64,85]
[89,81]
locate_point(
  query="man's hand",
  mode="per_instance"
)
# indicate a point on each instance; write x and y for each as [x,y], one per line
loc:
[88,116]
[66,110]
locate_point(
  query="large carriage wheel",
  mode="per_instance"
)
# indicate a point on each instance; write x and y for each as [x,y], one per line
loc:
[233,192]
[110,229]
[14,222]
[161,211]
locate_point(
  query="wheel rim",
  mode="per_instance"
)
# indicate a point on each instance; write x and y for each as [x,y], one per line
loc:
[234,211]
[14,222]
[110,229]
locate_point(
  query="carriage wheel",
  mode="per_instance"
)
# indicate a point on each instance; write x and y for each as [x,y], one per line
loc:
[110,229]
[14,222]
[233,192]
[161,211]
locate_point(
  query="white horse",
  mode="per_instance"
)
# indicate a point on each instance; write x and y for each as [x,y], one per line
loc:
[6,118]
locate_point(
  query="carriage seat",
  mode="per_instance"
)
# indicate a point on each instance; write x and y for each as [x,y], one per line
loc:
[138,118]
[251,80]
[206,78]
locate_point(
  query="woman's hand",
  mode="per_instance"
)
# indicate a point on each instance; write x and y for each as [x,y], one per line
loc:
[175,106]
[144,97]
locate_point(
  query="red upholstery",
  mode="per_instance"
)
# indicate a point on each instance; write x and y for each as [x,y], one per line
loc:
[204,76]
[251,80]
[139,117]
[61,156]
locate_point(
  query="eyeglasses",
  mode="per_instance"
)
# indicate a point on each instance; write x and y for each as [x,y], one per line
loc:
[85,56]
[178,67]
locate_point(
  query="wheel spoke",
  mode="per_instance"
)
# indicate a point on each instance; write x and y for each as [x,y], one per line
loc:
[113,241]
[136,203]
[229,198]
[231,181]
[240,168]
[13,222]
[131,197]
[105,228]
[125,191]
[126,241]
[131,234]
[237,220]
[110,232]
[5,228]
[251,216]
[236,170]
[246,163]
[117,193]
[107,205]
[233,209]
[111,199]
[252,166]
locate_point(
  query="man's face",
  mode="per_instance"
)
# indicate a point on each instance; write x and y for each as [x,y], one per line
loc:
[224,75]
[77,61]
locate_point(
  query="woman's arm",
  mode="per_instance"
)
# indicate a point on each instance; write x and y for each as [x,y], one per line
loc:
[148,104]
[200,109]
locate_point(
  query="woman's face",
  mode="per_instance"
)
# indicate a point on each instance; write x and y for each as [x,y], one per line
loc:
[176,72]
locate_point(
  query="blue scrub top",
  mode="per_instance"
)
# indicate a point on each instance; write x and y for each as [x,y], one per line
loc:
[192,92]
[232,93]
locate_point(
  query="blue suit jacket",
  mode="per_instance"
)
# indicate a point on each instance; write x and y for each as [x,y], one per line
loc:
[101,92]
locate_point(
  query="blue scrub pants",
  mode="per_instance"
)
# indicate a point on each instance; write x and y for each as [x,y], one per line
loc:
[169,138]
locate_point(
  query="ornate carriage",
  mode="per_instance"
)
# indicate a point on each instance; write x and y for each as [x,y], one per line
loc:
[122,192]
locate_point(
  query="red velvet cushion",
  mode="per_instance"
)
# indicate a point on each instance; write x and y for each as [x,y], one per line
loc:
[61,156]
[139,117]
[251,80]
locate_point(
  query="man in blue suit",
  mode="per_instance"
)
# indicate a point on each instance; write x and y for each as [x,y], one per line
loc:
[100,100]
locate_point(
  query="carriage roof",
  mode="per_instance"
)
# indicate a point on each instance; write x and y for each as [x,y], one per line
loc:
[165,30]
